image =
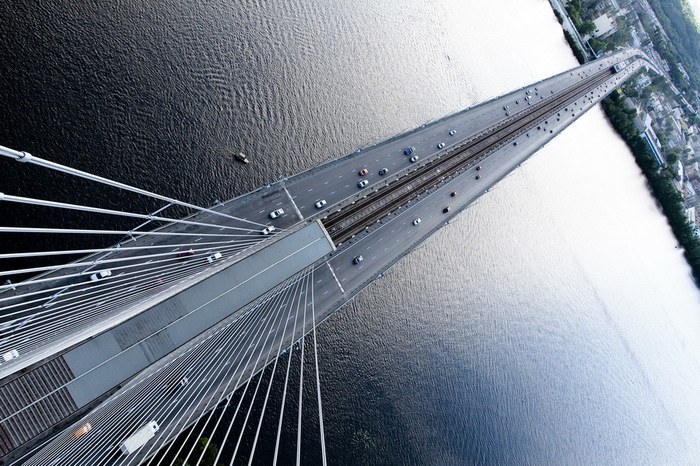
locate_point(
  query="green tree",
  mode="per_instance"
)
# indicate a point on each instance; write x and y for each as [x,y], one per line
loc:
[672,158]
[586,28]
[631,91]
[575,9]
[623,36]
[599,44]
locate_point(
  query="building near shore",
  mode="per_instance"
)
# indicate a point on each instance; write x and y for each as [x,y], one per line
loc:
[604,26]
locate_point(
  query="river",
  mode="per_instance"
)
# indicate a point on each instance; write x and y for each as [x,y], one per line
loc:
[553,322]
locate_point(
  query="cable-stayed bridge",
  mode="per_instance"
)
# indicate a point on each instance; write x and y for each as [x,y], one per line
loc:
[107,359]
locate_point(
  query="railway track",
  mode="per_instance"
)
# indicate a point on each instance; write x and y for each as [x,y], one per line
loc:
[348,222]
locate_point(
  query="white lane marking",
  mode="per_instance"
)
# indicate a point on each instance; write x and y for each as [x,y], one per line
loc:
[336,278]
[294,204]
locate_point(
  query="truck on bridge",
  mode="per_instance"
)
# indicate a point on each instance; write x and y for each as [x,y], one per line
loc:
[140,438]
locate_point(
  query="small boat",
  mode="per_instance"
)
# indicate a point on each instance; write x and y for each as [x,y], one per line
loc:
[242,157]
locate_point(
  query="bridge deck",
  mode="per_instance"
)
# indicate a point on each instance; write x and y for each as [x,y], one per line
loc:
[96,367]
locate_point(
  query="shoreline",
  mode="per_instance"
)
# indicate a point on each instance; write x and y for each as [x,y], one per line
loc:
[658,180]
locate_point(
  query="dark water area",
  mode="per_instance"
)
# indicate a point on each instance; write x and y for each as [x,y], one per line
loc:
[552,323]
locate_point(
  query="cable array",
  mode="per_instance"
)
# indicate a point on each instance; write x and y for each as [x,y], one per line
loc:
[200,379]
[113,283]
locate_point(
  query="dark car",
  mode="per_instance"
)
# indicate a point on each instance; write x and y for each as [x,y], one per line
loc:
[446,209]
[383,171]
[408,150]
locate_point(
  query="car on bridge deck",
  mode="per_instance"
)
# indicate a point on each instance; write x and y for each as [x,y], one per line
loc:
[453,132]
[441,145]
[100,275]
[84,429]
[413,159]
[446,209]
[383,171]
[213,257]
[276,213]
[409,150]
[362,183]
[268,230]
[183,254]
[358,259]
[177,385]
[417,221]
[320,203]
[9,356]
[363,172]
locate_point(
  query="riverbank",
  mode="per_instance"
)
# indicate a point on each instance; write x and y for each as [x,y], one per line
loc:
[573,38]
[571,35]
[660,180]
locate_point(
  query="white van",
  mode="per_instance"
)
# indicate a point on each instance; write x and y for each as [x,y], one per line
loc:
[140,438]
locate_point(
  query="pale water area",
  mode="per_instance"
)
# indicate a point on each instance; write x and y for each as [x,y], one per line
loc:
[553,322]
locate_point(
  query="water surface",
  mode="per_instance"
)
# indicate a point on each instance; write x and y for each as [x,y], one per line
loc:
[554,322]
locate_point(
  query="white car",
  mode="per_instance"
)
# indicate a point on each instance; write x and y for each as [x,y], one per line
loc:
[441,145]
[320,203]
[268,230]
[100,275]
[276,213]
[10,355]
[363,183]
[414,159]
[213,257]
[453,132]
[417,221]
